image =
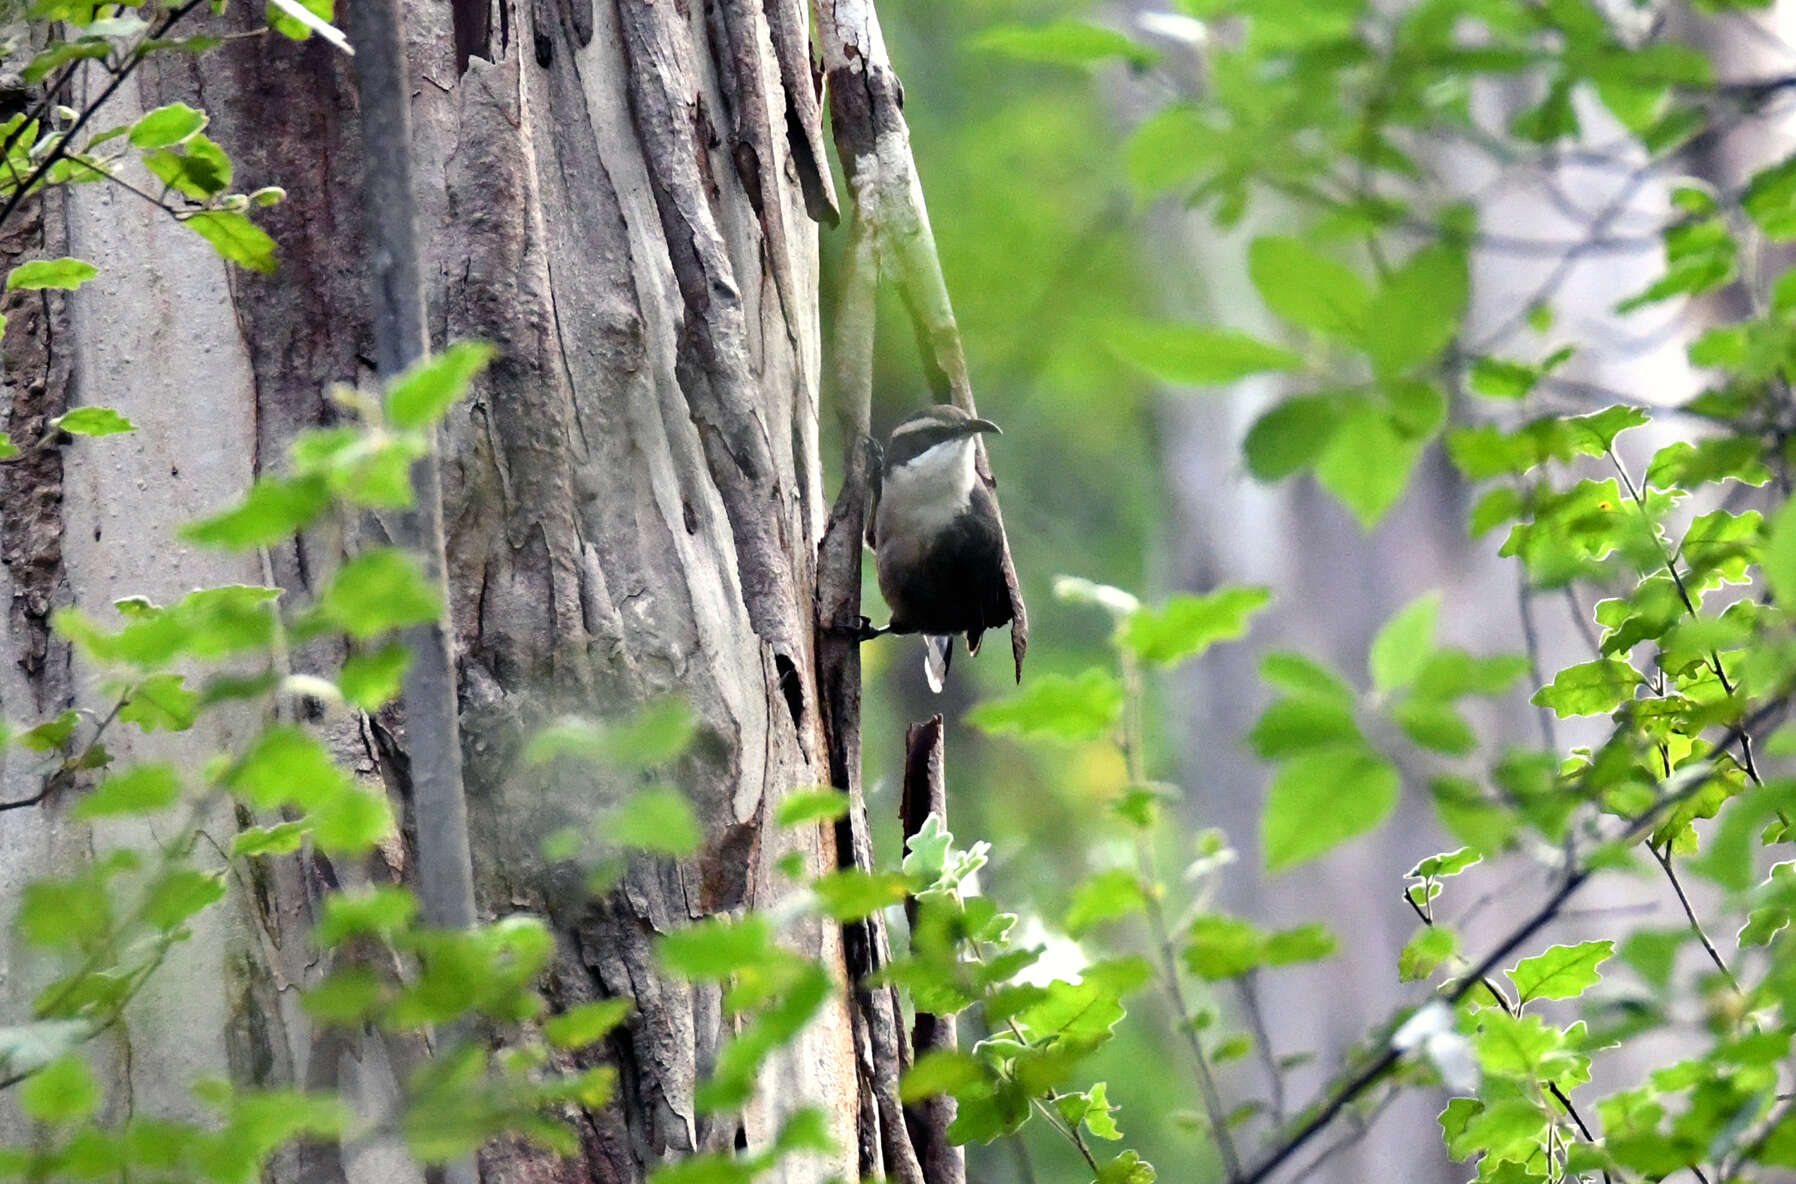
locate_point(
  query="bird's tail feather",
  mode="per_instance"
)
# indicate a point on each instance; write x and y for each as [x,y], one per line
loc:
[938,651]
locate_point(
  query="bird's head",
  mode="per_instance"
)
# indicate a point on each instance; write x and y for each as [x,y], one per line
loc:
[933,435]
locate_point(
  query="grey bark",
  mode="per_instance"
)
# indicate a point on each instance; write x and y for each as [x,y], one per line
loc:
[632,501]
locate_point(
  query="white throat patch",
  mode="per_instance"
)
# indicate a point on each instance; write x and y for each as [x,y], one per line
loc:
[929,491]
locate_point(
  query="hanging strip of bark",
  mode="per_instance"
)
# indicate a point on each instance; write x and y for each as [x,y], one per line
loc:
[433,730]
[873,141]
[926,793]
[433,738]
[881,1050]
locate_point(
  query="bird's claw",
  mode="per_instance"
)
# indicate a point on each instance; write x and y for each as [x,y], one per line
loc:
[859,630]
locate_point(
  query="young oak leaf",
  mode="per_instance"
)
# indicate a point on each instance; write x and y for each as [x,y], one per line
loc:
[1562,972]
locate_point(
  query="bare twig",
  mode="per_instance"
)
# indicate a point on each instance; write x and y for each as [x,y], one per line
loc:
[1161,933]
[1664,858]
[119,74]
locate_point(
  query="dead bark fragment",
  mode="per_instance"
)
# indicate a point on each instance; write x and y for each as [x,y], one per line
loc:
[926,793]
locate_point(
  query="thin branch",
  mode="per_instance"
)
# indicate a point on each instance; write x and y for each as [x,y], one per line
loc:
[119,75]
[1664,858]
[1162,935]
[1374,1070]
[1262,1038]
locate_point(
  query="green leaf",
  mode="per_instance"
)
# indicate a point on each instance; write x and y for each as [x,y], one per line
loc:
[1308,289]
[1291,436]
[1779,559]
[588,1023]
[141,789]
[235,238]
[1496,378]
[1304,943]
[379,912]
[1300,723]
[1223,947]
[717,947]
[1424,953]
[372,680]
[1323,798]
[1085,1012]
[94,421]
[1296,674]
[1186,626]
[1403,645]
[1061,43]
[1127,1168]
[64,273]
[275,509]
[941,1071]
[1436,726]
[180,894]
[281,839]
[1563,972]
[1449,863]
[421,396]
[1418,309]
[1107,896]
[1198,355]
[377,591]
[161,702]
[1592,688]
[1367,463]
[166,126]
[1082,708]
[659,732]
[8,449]
[1770,200]
[851,894]
[658,820]
[50,735]
[803,806]
[62,1091]
[352,821]
[286,766]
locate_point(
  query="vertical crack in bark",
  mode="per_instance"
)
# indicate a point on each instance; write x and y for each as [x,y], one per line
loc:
[34,389]
[714,362]
[926,793]
[753,150]
[799,79]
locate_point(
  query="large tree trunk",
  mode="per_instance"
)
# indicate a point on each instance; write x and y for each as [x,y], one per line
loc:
[615,195]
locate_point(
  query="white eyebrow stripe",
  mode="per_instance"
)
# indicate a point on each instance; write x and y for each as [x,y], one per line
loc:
[915,425]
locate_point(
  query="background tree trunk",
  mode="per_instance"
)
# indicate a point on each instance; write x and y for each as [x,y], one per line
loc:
[610,193]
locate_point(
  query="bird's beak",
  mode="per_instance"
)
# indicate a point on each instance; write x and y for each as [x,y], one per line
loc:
[983,425]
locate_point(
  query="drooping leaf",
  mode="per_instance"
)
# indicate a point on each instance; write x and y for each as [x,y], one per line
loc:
[1418,308]
[1186,626]
[141,789]
[94,421]
[1082,708]
[587,1023]
[1404,644]
[1321,799]
[1198,355]
[1562,972]
[421,396]
[166,125]
[235,238]
[1308,289]
[65,273]
[1591,688]
[1061,43]
[657,820]
[378,591]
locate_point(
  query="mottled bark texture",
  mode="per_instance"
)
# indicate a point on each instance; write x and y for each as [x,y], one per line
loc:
[632,498]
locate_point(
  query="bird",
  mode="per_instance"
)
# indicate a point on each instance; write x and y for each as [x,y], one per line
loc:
[938,542]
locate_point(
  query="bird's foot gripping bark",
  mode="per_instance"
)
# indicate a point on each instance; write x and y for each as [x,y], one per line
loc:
[859,630]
